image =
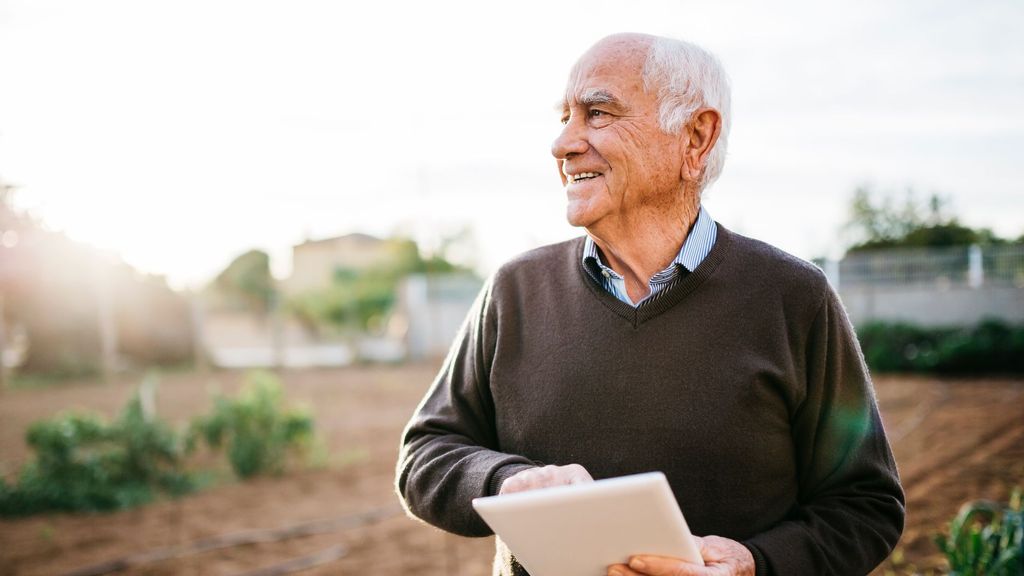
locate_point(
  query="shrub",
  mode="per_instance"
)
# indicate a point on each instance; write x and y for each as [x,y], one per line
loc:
[256,429]
[986,538]
[991,346]
[83,463]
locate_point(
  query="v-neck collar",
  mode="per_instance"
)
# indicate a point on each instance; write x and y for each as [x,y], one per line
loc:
[668,297]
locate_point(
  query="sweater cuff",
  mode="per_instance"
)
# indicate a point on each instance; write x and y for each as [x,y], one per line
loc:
[503,473]
[760,564]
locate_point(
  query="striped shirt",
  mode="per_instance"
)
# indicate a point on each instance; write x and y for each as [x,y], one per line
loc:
[697,245]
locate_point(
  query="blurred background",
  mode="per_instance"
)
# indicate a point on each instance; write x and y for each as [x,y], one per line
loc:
[237,238]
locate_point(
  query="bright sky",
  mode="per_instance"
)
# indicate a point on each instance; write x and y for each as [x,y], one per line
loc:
[181,133]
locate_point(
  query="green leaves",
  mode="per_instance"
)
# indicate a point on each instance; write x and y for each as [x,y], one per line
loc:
[986,539]
[258,432]
[84,463]
[990,346]
[880,219]
[247,282]
[360,298]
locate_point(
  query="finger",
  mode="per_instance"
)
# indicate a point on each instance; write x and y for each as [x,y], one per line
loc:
[509,486]
[705,547]
[518,482]
[578,474]
[664,566]
[546,476]
[529,479]
[621,570]
[549,475]
[715,549]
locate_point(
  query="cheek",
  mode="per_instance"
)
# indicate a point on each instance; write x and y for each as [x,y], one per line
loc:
[632,145]
[662,161]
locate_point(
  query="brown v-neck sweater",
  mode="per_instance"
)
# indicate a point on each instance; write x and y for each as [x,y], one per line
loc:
[743,382]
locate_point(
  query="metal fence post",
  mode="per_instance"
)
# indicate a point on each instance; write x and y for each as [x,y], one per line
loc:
[975,269]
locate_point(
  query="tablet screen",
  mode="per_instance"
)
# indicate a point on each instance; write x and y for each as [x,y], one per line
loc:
[581,529]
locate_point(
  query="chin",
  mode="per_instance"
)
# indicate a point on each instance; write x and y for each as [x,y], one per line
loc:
[577,217]
[584,210]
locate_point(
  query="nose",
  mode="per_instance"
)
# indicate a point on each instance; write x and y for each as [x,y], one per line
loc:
[570,141]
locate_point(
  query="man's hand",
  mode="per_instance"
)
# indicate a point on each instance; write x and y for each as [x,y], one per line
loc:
[533,478]
[722,557]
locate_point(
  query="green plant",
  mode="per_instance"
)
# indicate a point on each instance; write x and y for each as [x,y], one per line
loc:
[990,346]
[358,299]
[986,539]
[83,463]
[256,429]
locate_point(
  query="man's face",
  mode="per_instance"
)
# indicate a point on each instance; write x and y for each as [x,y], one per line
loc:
[614,160]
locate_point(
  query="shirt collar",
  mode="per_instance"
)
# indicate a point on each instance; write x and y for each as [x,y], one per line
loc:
[695,248]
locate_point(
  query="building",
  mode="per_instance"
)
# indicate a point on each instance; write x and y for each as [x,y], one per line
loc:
[315,263]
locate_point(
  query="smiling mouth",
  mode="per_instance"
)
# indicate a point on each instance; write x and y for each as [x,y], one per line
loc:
[573,178]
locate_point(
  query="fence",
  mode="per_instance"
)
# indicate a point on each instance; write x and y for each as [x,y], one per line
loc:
[972,266]
[932,286]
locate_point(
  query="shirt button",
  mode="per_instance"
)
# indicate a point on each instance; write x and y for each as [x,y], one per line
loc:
[606,274]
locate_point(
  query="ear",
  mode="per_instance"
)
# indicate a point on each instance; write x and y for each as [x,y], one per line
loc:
[699,136]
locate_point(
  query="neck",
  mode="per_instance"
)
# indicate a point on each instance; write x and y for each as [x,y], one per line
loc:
[639,246]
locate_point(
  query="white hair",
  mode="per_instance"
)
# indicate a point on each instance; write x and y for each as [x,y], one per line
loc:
[687,78]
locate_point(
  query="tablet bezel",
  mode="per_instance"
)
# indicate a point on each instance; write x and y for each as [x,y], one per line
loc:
[584,528]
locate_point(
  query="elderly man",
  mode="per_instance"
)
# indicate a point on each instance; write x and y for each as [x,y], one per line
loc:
[662,341]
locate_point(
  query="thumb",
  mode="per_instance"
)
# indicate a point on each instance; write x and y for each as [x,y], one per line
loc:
[663,566]
[702,546]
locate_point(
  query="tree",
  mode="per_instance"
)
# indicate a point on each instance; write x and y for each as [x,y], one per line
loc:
[247,283]
[361,299]
[886,223]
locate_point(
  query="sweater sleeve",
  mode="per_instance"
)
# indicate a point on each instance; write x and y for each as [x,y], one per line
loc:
[851,507]
[449,453]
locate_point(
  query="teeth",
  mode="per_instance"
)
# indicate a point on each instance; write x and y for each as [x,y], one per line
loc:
[583,176]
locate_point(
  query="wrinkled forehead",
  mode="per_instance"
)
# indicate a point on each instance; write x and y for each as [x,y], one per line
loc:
[600,73]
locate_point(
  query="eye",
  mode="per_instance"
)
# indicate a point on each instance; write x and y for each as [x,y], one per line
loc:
[599,118]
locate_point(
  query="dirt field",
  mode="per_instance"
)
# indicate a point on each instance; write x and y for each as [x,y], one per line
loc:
[954,440]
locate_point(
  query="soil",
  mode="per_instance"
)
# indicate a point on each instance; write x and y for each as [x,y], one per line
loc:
[954,439]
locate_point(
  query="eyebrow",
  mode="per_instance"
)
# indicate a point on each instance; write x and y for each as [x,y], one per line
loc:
[594,97]
[599,96]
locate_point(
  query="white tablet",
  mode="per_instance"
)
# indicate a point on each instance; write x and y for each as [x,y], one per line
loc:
[581,529]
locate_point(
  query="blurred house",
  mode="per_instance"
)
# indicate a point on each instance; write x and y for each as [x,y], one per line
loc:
[956,286]
[316,262]
[430,311]
[429,308]
[427,313]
